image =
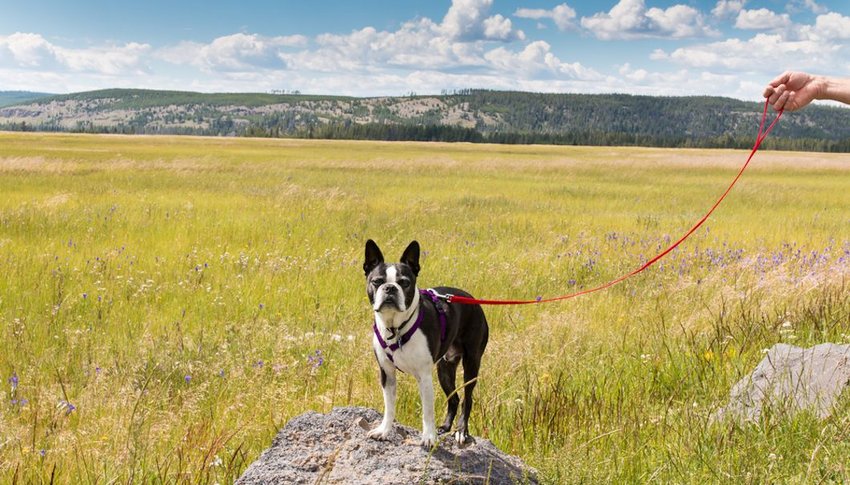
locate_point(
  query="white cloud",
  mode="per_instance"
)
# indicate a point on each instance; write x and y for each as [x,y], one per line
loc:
[810,5]
[728,8]
[537,59]
[684,82]
[32,51]
[759,52]
[563,15]
[26,49]
[630,19]
[828,27]
[114,61]
[762,19]
[417,45]
[814,7]
[235,52]
[467,20]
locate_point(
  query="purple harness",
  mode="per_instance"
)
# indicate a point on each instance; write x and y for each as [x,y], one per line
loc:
[441,312]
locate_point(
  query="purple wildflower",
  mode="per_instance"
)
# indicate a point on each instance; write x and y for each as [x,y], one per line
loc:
[188,378]
[69,408]
[316,360]
[14,381]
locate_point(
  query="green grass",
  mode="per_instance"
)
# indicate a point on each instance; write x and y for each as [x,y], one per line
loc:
[174,290]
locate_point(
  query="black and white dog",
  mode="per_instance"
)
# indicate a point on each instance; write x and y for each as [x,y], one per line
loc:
[413,330]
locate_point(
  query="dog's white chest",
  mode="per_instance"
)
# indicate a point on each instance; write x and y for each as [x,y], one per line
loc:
[412,358]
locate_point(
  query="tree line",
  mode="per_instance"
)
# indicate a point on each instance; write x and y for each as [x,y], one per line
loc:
[488,117]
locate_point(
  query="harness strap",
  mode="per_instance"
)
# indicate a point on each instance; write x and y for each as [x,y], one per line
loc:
[441,312]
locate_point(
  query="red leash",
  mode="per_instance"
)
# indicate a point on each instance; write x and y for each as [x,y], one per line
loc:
[762,134]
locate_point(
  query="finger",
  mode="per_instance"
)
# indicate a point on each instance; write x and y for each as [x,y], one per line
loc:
[768,91]
[781,101]
[777,93]
[781,79]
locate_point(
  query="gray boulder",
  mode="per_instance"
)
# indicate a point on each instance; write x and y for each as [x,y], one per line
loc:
[791,379]
[334,449]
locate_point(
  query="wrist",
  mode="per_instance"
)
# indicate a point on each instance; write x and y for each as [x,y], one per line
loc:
[833,89]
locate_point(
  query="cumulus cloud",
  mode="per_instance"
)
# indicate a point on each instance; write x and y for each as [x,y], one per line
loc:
[563,15]
[26,49]
[728,8]
[417,44]
[762,19]
[810,5]
[814,7]
[760,51]
[32,51]
[829,27]
[468,20]
[630,19]
[235,52]
[537,59]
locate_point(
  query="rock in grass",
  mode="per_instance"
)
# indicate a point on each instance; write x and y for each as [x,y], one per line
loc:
[790,379]
[334,448]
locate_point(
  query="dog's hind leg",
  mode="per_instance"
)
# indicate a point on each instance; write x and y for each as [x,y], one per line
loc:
[446,372]
[471,364]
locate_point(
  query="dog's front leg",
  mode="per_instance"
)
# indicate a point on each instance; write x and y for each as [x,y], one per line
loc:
[388,384]
[426,394]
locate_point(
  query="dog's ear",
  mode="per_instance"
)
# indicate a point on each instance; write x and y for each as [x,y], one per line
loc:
[374,257]
[411,257]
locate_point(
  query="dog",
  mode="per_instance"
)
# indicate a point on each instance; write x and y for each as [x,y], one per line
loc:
[415,329]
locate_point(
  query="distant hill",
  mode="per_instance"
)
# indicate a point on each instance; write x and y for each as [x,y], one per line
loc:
[467,115]
[16,97]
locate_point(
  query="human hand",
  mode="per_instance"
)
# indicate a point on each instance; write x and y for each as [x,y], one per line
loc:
[793,90]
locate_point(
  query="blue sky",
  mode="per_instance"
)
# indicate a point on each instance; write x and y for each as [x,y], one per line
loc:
[382,47]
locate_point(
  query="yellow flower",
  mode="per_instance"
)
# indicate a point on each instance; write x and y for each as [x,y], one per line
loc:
[708,355]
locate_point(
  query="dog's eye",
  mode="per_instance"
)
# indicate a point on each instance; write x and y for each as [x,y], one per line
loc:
[404,283]
[377,283]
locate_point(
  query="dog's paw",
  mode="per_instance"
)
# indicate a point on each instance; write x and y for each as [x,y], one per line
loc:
[428,440]
[462,437]
[381,433]
[443,429]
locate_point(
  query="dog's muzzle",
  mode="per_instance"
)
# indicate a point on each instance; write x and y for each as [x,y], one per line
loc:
[390,295]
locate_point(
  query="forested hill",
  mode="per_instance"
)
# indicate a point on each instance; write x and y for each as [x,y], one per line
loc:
[468,115]
[17,97]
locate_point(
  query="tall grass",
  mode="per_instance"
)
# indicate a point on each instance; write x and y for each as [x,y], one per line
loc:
[168,303]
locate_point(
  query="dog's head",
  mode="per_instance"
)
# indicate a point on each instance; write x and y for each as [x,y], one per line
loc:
[391,286]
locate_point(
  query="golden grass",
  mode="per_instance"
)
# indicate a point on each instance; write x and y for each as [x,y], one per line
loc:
[175,291]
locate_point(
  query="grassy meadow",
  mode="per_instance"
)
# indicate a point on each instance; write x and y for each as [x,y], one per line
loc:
[167,303]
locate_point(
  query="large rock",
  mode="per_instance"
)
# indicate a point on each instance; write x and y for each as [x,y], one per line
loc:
[790,379]
[334,448]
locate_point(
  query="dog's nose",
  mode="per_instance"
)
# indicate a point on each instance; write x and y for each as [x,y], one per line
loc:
[390,288]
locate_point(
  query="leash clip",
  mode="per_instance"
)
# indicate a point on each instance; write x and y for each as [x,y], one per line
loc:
[445,297]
